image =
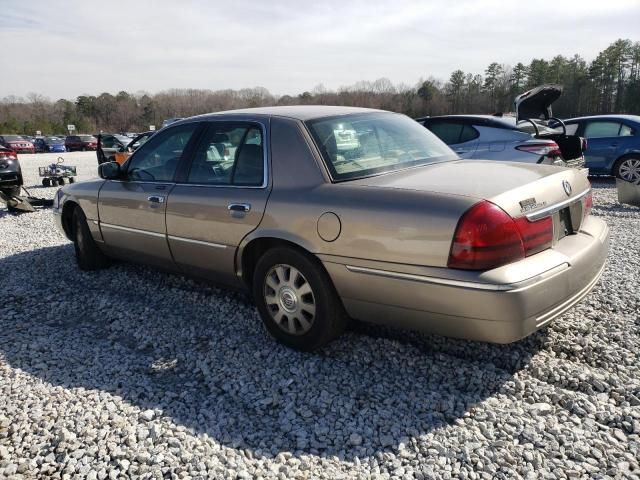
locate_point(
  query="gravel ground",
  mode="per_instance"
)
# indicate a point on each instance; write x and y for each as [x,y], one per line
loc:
[130,372]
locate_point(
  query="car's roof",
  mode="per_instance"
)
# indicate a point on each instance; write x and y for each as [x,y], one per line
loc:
[633,118]
[298,112]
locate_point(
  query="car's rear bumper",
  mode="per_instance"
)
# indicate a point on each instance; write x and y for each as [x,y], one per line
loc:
[502,305]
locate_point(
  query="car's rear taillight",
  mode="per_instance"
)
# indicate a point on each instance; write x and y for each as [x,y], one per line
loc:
[587,204]
[536,236]
[487,237]
[547,149]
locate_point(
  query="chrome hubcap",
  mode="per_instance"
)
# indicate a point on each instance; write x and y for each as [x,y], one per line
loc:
[630,170]
[289,299]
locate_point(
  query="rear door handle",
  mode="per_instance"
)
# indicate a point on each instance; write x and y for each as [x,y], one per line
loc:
[239,207]
[156,199]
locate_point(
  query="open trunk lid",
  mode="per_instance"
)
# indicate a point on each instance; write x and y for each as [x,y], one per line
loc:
[535,104]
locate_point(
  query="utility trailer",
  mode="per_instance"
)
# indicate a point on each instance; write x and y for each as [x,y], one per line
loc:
[57,173]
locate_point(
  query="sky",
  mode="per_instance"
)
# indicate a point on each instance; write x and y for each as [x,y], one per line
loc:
[67,48]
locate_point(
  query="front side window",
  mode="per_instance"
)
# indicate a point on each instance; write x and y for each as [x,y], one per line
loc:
[601,129]
[361,145]
[157,160]
[230,154]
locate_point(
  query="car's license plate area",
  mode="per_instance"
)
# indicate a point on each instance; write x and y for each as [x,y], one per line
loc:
[564,223]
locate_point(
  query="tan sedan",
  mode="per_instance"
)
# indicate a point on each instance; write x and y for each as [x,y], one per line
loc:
[326,213]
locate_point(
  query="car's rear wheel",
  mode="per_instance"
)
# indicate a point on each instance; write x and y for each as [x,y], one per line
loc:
[296,299]
[628,169]
[88,255]
[46,182]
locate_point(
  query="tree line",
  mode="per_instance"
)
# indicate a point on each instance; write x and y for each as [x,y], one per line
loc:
[610,83]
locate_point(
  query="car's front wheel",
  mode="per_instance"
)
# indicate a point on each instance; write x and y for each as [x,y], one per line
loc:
[628,169]
[296,299]
[88,255]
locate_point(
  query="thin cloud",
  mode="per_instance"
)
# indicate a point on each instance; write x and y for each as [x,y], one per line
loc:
[79,46]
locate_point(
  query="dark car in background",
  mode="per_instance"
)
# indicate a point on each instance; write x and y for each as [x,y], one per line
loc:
[39,144]
[17,143]
[613,144]
[10,172]
[80,143]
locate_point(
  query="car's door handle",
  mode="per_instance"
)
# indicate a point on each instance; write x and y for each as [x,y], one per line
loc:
[156,199]
[239,207]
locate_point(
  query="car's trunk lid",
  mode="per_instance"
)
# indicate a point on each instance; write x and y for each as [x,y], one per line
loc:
[518,188]
[535,104]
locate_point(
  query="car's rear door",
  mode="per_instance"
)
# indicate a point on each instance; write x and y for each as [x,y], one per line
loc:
[132,209]
[219,198]
[602,144]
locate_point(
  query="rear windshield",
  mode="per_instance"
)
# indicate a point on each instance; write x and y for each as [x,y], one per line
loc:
[73,138]
[361,145]
[54,141]
[87,138]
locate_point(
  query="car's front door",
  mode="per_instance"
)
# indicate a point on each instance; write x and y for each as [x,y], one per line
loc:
[219,199]
[132,209]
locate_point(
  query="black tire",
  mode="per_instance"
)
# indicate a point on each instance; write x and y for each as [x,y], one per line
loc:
[88,255]
[329,319]
[72,180]
[632,161]
[53,181]
[61,181]
[46,182]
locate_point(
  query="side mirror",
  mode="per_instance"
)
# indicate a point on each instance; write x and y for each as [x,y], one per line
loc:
[109,170]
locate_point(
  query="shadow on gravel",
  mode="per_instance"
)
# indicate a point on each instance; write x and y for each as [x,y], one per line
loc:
[200,357]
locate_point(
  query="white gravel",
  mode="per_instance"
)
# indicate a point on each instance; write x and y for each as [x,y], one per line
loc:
[134,373]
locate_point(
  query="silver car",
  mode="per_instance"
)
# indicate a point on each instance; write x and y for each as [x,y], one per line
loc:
[524,137]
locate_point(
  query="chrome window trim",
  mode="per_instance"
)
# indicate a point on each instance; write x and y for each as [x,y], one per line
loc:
[197,242]
[550,210]
[133,230]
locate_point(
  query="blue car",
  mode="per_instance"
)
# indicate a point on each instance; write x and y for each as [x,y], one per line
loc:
[613,144]
[39,145]
[55,145]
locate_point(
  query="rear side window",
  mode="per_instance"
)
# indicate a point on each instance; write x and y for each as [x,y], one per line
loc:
[468,133]
[229,154]
[448,132]
[626,131]
[602,129]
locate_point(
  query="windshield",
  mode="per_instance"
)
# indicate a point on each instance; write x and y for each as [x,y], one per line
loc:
[360,145]
[13,138]
[87,138]
[54,141]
